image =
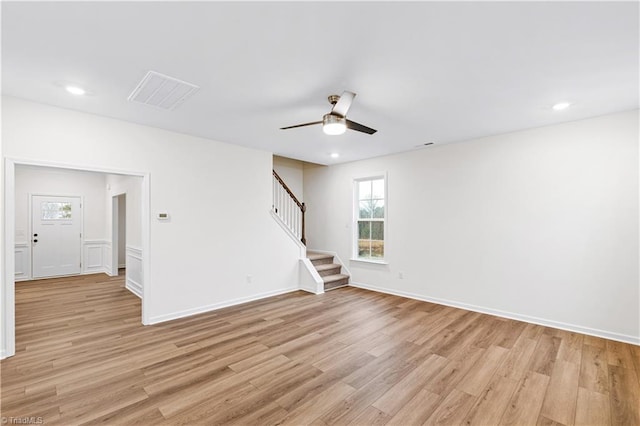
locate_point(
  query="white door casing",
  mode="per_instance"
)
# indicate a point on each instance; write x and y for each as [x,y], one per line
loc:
[56,236]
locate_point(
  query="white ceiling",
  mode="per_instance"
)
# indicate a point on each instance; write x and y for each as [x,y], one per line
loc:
[424,72]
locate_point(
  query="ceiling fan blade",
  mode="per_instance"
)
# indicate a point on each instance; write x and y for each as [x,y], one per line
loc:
[344,103]
[360,127]
[301,125]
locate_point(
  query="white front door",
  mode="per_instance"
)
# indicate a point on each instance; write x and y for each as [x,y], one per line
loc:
[56,236]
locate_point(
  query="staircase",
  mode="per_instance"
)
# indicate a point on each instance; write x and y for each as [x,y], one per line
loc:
[328,271]
[290,213]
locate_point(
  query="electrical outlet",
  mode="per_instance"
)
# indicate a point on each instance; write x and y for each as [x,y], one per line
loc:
[249,279]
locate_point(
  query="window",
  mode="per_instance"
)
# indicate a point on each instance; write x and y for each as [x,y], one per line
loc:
[370,218]
[55,211]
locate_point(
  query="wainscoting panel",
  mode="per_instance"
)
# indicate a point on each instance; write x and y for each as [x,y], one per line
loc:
[134,278]
[96,258]
[93,255]
[106,255]
[23,262]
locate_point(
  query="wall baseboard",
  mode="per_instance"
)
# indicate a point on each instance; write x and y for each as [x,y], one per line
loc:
[134,287]
[215,306]
[634,340]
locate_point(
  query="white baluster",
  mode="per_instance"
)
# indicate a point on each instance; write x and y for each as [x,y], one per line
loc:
[282,201]
[298,223]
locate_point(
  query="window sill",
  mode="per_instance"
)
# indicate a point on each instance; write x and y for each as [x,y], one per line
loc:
[377,262]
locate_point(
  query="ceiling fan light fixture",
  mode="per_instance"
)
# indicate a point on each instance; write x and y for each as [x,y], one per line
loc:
[333,125]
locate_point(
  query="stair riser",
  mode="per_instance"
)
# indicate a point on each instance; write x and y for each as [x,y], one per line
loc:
[322,261]
[332,271]
[334,284]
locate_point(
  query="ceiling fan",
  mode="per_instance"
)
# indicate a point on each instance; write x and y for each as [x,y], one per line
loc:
[336,122]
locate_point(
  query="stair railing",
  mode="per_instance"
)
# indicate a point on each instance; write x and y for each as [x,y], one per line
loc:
[288,208]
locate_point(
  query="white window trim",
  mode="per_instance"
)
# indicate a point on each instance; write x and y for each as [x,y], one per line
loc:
[356,208]
[376,262]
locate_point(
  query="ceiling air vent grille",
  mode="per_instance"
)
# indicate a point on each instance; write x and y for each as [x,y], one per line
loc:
[161,91]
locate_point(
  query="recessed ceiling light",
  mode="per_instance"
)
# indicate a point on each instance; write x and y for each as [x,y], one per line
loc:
[561,105]
[335,155]
[75,90]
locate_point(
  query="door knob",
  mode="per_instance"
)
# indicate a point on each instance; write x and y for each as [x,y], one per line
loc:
[35,235]
[35,241]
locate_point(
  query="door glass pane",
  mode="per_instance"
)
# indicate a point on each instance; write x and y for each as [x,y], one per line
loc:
[364,190]
[55,210]
[378,188]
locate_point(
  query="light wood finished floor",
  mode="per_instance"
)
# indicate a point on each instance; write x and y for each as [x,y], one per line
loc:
[349,356]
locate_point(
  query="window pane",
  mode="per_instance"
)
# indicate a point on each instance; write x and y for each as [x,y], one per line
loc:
[377,249]
[364,190]
[378,188]
[370,218]
[364,248]
[364,230]
[377,230]
[366,209]
[53,211]
[378,209]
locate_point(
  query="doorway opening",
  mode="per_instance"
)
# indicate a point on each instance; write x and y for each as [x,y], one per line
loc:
[59,212]
[118,234]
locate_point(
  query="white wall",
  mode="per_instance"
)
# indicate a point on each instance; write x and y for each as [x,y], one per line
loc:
[220,230]
[50,181]
[291,172]
[540,224]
